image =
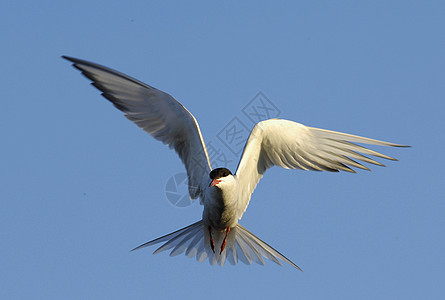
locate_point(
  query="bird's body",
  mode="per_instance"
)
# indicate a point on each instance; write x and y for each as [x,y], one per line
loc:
[225,196]
[220,202]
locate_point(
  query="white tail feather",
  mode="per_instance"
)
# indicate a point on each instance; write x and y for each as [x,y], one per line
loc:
[241,245]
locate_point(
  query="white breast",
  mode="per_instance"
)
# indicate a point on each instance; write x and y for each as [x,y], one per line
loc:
[220,204]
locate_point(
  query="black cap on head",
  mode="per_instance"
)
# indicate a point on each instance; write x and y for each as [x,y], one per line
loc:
[219,172]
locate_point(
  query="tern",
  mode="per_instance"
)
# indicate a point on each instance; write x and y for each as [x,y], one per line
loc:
[225,196]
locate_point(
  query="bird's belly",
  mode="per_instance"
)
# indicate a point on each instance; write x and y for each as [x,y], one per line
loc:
[221,219]
[220,212]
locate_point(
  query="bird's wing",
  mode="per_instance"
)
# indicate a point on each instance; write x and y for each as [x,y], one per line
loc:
[156,112]
[292,145]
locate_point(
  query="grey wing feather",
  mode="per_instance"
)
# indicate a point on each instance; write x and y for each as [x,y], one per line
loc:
[292,145]
[156,112]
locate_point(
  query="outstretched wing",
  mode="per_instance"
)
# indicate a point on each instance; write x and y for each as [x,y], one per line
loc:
[156,112]
[292,145]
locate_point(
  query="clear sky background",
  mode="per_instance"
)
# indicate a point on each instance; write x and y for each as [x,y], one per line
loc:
[81,185]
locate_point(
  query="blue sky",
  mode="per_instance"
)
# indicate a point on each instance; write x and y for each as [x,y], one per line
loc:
[81,185]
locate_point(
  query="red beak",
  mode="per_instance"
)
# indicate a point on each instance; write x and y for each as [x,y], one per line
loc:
[215,182]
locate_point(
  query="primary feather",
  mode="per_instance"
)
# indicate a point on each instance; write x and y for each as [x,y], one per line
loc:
[156,112]
[293,145]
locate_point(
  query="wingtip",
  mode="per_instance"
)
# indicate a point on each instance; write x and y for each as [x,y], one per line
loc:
[295,266]
[139,247]
[299,268]
[67,58]
[75,60]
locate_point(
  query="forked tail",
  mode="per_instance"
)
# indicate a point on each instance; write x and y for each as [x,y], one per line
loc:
[241,245]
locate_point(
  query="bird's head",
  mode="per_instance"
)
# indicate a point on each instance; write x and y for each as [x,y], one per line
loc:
[220,176]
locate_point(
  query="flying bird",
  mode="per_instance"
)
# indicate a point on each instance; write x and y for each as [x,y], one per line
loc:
[225,195]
